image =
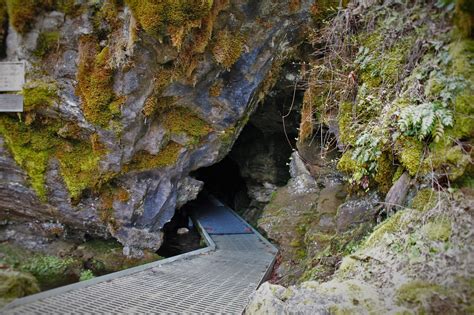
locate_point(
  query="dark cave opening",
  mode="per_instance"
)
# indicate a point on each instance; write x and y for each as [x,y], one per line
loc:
[180,234]
[255,167]
[258,162]
[225,182]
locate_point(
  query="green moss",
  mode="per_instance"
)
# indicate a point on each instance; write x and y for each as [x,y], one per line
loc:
[49,270]
[22,13]
[384,173]
[155,17]
[12,256]
[398,173]
[15,284]
[227,48]
[410,153]
[69,7]
[86,275]
[419,293]
[95,83]
[379,66]
[347,132]
[425,200]
[79,167]
[350,166]
[39,95]
[451,159]
[31,147]
[106,256]
[143,160]
[181,120]
[391,225]
[46,43]
[462,53]
[439,230]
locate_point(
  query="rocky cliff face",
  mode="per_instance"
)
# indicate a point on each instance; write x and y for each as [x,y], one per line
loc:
[124,99]
[391,90]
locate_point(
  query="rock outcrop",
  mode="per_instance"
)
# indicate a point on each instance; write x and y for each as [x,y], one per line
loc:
[123,101]
[393,99]
[409,264]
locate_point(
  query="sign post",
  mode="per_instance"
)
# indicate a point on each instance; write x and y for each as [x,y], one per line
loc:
[12,78]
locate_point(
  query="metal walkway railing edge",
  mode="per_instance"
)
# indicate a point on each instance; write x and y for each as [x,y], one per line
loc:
[211,246]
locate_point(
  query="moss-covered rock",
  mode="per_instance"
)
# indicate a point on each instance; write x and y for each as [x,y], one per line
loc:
[439,230]
[156,17]
[423,296]
[410,155]
[95,83]
[144,161]
[105,256]
[15,284]
[425,199]
[39,94]
[182,121]
[46,43]
[227,48]
[51,270]
[33,145]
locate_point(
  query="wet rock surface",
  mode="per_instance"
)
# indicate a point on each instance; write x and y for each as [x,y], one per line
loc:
[138,60]
[314,221]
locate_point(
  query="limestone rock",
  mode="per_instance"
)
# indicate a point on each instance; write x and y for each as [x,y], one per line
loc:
[128,198]
[397,194]
[357,212]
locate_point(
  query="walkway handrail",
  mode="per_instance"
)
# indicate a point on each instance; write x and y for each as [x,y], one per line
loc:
[211,246]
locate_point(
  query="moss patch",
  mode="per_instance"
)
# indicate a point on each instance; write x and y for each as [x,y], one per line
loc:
[105,256]
[50,270]
[22,13]
[347,131]
[439,230]
[181,120]
[420,293]
[425,200]
[79,167]
[391,225]
[410,153]
[34,144]
[227,48]
[95,83]
[15,284]
[46,43]
[155,17]
[38,94]
[143,161]
[31,147]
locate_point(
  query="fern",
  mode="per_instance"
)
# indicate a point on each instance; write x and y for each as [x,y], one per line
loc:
[427,119]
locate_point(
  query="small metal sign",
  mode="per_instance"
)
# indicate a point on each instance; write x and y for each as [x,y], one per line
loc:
[12,76]
[11,103]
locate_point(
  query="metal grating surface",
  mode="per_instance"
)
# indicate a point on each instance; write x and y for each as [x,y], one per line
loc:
[215,282]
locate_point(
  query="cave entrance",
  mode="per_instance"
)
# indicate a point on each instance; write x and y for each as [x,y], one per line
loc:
[180,234]
[258,162]
[256,166]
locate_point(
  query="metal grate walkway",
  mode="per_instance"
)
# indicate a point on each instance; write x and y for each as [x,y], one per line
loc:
[213,282]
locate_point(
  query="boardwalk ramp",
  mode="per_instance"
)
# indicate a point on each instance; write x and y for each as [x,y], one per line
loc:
[216,279]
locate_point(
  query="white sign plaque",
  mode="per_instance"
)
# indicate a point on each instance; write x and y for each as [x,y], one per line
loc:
[11,103]
[12,76]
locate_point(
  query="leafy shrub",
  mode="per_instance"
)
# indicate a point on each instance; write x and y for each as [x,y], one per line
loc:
[46,268]
[86,275]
